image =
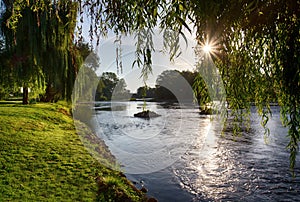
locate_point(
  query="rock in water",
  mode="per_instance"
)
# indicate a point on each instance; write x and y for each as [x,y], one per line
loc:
[207,111]
[146,114]
[144,190]
[152,200]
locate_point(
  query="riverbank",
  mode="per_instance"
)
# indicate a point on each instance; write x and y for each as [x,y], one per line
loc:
[43,159]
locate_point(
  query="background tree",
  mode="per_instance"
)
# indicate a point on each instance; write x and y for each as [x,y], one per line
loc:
[146,92]
[86,79]
[120,92]
[110,80]
[172,83]
[26,71]
[110,84]
[164,80]
[7,80]
[199,86]
[39,38]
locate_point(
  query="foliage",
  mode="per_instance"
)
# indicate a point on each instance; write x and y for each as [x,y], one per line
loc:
[170,83]
[120,92]
[84,89]
[91,59]
[174,85]
[145,92]
[201,91]
[261,64]
[39,38]
[7,84]
[110,86]
[256,45]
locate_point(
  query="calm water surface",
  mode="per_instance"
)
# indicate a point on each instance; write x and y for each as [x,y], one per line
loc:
[181,155]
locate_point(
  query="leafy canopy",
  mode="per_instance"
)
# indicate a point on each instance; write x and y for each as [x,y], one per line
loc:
[257,44]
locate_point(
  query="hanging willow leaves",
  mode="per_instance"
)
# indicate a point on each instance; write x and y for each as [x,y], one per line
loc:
[258,47]
[39,35]
[258,44]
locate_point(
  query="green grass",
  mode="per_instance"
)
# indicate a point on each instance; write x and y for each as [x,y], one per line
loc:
[43,159]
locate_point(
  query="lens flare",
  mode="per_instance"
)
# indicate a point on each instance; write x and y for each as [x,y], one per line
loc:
[207,48]
[210,47]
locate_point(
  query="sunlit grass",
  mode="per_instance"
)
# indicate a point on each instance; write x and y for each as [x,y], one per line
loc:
[42,159]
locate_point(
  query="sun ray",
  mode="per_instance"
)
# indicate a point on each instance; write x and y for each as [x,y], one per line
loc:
[207,48]
[210,47]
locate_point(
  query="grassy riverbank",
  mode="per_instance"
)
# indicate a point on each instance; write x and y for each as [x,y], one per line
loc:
[43,159]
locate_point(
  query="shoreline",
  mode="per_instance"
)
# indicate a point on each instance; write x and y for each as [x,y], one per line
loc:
[45,151]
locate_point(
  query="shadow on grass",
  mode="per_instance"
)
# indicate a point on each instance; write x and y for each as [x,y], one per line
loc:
[5,102]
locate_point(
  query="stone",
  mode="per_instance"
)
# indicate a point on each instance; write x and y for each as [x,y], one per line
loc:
[147,114]
[144,190]
[152,200]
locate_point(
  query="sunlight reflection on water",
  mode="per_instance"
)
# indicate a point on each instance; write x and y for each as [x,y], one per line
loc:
[241,168]
[191,156]
[145,146]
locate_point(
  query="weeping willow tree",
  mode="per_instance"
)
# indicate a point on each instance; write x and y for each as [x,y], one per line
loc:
[60,57]
[258,56]
[7,84]
[39,37]
[256,45]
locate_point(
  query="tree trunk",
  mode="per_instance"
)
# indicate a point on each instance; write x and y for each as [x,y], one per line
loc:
[25,95]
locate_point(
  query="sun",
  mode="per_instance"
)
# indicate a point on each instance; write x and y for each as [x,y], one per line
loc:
[210,47]
[207,48]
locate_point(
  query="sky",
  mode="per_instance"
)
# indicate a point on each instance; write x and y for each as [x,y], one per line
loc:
[160,61]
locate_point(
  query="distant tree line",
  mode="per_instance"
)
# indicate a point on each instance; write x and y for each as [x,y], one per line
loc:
[172,85]
[169,86]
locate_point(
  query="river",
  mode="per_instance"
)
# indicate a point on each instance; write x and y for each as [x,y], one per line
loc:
[182,156]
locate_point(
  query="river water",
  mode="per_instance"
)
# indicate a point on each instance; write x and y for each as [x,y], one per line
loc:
[182,156]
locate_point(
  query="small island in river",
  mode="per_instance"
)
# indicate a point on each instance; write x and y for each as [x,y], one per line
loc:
[147,114]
